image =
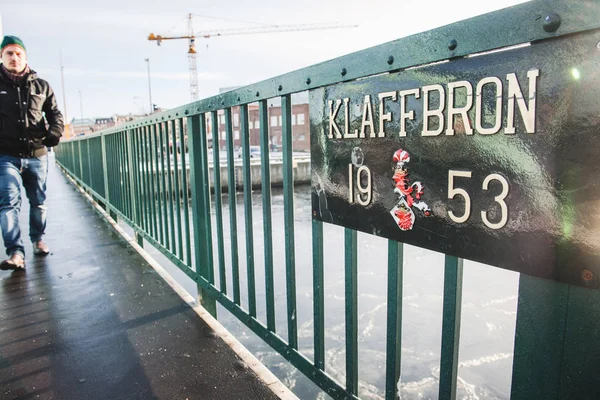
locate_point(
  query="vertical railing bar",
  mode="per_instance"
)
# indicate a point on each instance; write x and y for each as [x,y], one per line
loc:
[147,191]
[245,136]
[205,193]
[80,175]
[351,301]
[263,121]
[453,277]
[125,175]
[170,186]
[218,199]
[136,177]
[104,167]
[171,196]
[127,160]
[118,171]
[165,200]
[110,170]
[288,210]
[318,295]
[159,192]
[130,175]
[177,186]
[186,205]
[201,210]
[89,163]
[231,192]
[113,166]
[394,319]
[153,192]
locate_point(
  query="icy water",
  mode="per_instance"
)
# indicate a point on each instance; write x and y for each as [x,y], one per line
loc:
[488,311]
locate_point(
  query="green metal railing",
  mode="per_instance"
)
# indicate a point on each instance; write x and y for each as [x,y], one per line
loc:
[132,171]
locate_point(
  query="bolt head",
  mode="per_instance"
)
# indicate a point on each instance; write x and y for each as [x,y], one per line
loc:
[390,60]
[452,44]
[257,94]
[344,72]
[552,22]
[308,81]
[280,88]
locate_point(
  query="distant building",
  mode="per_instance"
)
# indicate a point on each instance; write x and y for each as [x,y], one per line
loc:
[82,126]
[300,127]
[104,123]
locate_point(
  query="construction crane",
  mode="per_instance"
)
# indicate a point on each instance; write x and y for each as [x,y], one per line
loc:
[191,36]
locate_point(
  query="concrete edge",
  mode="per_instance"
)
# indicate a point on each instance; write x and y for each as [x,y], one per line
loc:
[253,363]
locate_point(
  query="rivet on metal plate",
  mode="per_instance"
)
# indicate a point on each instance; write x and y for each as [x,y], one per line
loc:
[344,71]
[452,45]
[552,22]
[280,88]
[308,81]
[390,60]
[587,275]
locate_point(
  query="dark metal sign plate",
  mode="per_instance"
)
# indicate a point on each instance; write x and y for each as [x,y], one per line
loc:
[494,158]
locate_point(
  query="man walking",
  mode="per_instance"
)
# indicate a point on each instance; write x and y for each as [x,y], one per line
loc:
[29,122]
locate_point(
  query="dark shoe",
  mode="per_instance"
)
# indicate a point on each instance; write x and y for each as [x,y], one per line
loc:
[40,248]
[16,261]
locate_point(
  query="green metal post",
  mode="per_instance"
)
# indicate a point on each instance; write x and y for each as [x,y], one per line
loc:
[453,277]
[177,188]
[164,197]
[200,210]
[218,200]
[394,319]
[248,209]
[186,202]
[542,313]
[105,169]
[288,210]
[263,120]
[231,191]
[351,301]
[318,294]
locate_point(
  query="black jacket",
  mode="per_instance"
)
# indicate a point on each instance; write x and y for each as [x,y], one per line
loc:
[23,129]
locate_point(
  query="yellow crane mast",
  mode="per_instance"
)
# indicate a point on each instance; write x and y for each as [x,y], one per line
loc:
[191,36]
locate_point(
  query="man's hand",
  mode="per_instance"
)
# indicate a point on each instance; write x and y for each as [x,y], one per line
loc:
[50,140]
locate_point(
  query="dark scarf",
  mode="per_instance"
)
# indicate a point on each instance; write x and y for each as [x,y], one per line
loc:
[15,78]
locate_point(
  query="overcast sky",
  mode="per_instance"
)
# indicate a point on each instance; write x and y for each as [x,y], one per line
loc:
[104,44]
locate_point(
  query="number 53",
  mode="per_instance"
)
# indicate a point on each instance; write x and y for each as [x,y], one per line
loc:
[452,192]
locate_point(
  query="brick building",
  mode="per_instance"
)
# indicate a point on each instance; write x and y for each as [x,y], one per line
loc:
[300,127]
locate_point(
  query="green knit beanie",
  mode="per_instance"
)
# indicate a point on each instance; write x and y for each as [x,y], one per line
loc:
[8,40]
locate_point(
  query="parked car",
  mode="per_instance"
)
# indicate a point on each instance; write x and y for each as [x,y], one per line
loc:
[254,152]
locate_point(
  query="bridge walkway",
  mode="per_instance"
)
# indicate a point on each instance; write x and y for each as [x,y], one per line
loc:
[94,320]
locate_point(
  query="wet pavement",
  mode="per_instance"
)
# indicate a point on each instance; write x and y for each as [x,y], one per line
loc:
[93,320]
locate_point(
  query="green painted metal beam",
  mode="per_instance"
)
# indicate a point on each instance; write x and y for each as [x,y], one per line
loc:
[539,339]
[318,294]
[200,209]
[218,201]
[394,319]
[351,309]
[288,211]
[231,194]
[263,121]
[453,277]
[245,138]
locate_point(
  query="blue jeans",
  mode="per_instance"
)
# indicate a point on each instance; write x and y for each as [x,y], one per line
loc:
[31,174]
